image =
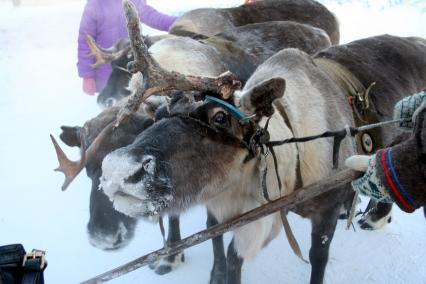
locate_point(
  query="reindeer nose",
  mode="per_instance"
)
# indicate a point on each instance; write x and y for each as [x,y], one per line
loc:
[146,168]
[148,164]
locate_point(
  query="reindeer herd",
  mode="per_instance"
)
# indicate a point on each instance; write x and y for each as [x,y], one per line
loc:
[184,147]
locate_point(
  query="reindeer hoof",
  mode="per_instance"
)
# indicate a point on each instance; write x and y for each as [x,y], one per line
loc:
[365,226]
[368,222]
[163,269]
[218,274]
[218,279]
[167,264]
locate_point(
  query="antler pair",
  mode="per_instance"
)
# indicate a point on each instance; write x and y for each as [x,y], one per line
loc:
[156,81]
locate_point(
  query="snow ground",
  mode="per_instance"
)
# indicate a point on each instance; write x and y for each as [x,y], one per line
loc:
[41,91]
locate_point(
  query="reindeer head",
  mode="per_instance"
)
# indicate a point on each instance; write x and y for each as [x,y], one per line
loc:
[118,56]
[196,150]
[199,144]
[107,228]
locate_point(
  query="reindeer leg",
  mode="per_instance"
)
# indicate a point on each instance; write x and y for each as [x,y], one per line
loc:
[170,263]
[323,227]
[324,212]
[218,272]
[233,265]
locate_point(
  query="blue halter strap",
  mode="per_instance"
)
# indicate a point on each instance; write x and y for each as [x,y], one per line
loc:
[238,114]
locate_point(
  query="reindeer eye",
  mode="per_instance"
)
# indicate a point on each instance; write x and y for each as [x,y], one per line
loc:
[220,118]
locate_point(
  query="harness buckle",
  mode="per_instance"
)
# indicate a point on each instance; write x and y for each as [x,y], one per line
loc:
[35,254]
[258,139]
[266,154]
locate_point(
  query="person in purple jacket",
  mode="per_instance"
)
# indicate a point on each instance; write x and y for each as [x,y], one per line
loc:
[104,20]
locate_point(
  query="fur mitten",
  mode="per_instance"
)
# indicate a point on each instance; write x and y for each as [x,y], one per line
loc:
[406,108]
[398,172]
[369,184]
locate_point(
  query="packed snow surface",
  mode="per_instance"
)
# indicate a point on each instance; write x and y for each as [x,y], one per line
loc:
[40,91]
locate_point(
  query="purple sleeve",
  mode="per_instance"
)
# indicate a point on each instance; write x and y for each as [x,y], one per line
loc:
[153,18]
[87,25]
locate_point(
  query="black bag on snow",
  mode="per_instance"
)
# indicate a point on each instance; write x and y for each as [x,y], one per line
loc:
[19,267]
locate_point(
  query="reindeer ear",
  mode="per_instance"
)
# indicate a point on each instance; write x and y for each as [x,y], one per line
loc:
[259,99]
[71,135]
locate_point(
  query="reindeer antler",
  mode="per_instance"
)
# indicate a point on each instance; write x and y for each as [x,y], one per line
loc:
[158,80]
[103,55]
[72,168]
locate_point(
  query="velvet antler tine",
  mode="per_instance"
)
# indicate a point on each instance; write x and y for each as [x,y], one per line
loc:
[72,168]
[69,168]
[96,52]
[159,81]
[102,55]
[137,43]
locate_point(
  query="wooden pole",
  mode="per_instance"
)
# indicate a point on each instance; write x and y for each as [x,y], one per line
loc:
[336,181]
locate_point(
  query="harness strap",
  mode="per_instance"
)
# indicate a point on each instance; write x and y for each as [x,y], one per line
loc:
[359,98]
[290,236]
[338,136]
[264,186]
[298,184]
[238,114]
[342,77]
[33,272]
[162,231]
[299,180]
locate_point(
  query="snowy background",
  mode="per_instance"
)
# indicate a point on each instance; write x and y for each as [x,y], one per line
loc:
[40,91]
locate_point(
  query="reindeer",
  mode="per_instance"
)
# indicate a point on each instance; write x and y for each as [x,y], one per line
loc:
[239,50]
[210,21]
[108,229]
[210,146]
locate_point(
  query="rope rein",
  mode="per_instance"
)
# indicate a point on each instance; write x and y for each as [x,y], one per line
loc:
[338,136]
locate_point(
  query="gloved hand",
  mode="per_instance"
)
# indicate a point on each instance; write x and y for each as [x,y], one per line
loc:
[408,108]
[89,86]
[369,184]
[397,173]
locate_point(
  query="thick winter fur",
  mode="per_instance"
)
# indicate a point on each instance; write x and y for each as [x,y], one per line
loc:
[107,228]
[262,40]
[387,55]
[206,161]
[239,50]
[209,21]
[209,57]
[203,23]
[319,107]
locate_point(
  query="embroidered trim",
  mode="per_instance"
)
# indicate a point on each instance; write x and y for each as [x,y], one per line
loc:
[392,185]
[395,177]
